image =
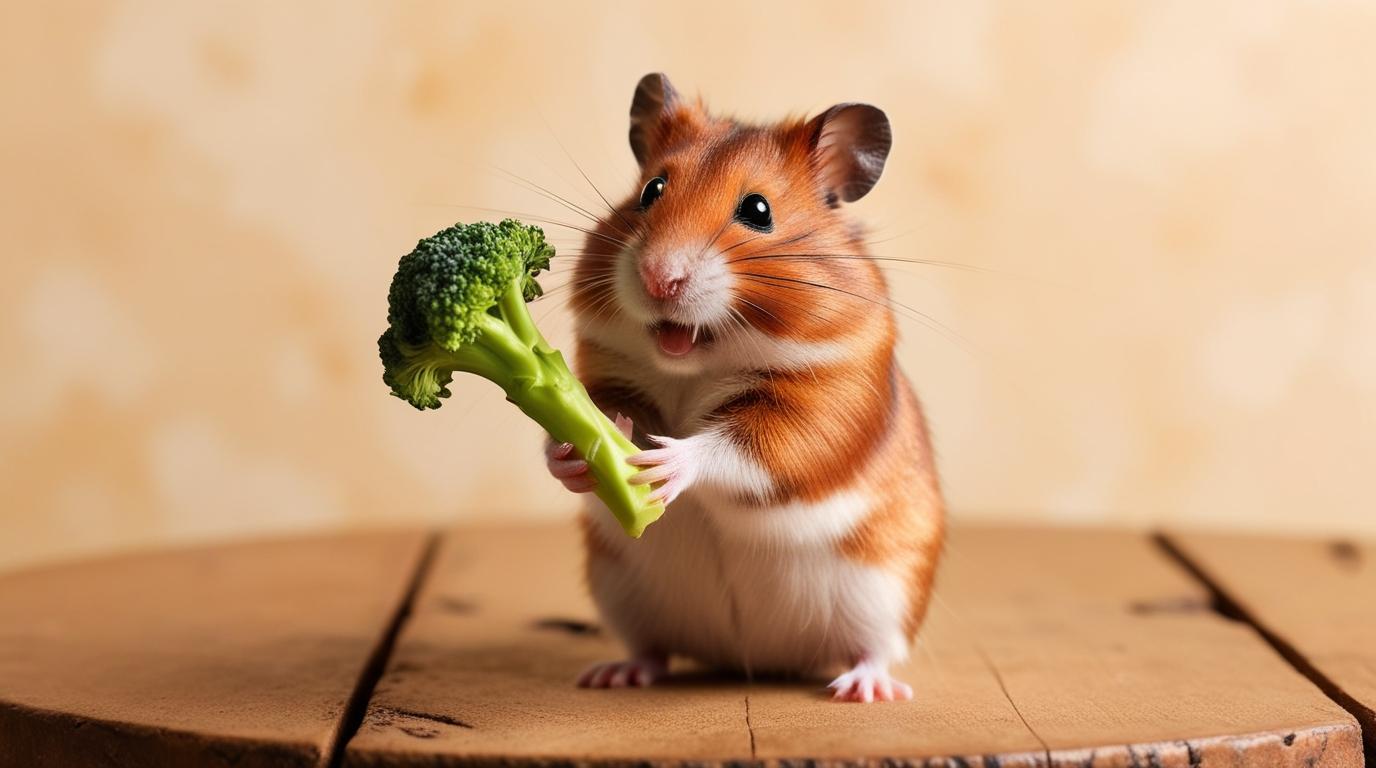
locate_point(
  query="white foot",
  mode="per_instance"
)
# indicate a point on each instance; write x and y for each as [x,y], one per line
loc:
[640,672]
[869,681]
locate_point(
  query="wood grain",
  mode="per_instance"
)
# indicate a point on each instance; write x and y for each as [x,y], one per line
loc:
[1114,657]
[241,655]
[1045,647]
[1075,648]
[484,670]
[1315,598]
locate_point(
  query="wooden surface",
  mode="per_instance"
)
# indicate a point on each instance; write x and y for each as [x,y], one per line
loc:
[240,655]
[1316,599]
[1074,648]
[1113,656]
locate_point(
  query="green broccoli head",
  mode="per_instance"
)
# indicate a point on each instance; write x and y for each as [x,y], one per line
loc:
[452,278]
[444,298]
[414,373]
[458,303]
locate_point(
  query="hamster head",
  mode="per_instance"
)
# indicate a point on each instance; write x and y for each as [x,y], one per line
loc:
[735,235]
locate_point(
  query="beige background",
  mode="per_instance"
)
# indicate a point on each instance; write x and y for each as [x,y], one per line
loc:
[1173,205]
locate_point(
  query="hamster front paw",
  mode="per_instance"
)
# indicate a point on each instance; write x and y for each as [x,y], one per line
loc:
[674,464]
[570,470]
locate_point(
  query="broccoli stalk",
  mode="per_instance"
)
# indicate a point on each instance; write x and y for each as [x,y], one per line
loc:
[458,303]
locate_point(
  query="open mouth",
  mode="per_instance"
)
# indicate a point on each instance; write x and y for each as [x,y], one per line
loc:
[677,340]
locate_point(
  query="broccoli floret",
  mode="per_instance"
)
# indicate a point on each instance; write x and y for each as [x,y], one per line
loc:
[458,303]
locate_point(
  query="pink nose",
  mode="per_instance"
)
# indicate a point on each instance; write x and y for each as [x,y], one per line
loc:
[662,288]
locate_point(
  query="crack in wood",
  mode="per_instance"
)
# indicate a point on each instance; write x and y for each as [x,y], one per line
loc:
[456,605]
[1175,605]
[431,716]
[1348,556]
[749,727]
[998,677]
[356,707]
[418,732]
[571,626]
[1231,608]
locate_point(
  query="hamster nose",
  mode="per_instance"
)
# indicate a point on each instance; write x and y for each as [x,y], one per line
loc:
[663,287]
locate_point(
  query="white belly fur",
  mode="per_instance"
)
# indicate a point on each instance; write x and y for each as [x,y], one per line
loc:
[761,590]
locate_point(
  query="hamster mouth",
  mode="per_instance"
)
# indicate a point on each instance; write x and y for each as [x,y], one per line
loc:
[677,340]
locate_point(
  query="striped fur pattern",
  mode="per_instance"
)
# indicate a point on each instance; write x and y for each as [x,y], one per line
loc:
[806,519]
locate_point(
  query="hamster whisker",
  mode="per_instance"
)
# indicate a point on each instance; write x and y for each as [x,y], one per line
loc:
[556,197]
[619,243]
[730,248]
[712,239]
[800,285]
[596,285]
[531,186]
[737,329]
[790,241]
[861,257]
[570,284]
[558,303]
[740,318]
[605,302]
[630,227]
[806,308]
[780,281]
[797,306]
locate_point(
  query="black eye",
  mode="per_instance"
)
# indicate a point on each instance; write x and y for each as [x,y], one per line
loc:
[754,212]
[652,191]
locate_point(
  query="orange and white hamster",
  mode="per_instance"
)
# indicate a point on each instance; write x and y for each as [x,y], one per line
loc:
[729,308]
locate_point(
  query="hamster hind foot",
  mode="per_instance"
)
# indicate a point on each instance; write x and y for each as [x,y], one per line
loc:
[640,671]
[869,681]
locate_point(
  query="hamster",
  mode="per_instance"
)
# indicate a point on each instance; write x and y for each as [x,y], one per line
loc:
[728,310]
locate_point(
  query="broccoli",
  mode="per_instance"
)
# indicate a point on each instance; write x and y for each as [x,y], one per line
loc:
[458,303]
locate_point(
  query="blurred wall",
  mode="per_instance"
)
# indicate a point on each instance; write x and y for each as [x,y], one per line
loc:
[1168,208]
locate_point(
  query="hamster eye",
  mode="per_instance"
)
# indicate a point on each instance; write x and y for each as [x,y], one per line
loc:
[754,212]
[652,192]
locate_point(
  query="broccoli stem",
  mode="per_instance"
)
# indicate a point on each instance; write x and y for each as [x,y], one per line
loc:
[561,405]
[538,381]
[512,305]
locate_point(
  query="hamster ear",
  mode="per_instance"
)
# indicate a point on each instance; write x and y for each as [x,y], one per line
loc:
[655,98]
[849,145]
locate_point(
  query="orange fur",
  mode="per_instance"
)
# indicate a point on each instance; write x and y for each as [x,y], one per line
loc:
[907,527]
[817,429]
[715,162]
[813,430]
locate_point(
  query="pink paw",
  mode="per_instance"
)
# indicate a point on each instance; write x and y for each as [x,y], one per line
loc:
[566,467]
[674,464]
[868,682]
[633,673]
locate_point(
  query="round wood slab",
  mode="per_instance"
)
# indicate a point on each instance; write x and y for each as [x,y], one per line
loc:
[1047,647]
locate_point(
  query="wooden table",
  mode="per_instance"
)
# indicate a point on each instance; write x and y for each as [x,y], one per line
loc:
[410,648]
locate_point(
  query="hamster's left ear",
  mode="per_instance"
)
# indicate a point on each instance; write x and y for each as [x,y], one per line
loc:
[850,143]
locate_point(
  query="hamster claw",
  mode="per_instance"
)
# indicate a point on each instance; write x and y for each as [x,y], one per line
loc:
[624,424]
[868,682]
[639,672]
[565,466]
[674,465]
